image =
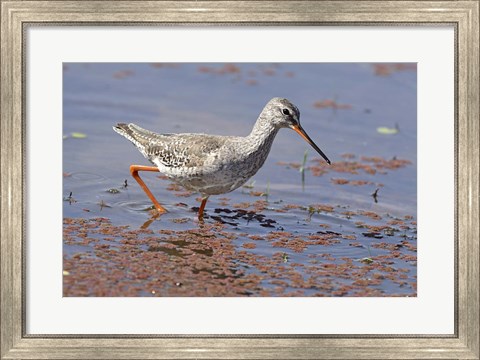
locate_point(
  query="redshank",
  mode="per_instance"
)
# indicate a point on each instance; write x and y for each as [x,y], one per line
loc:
[213,164]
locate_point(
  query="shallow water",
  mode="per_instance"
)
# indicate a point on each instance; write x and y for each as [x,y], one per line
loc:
[273,237]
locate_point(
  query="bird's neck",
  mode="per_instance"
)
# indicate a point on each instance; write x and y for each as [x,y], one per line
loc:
[262,135]
[252,150]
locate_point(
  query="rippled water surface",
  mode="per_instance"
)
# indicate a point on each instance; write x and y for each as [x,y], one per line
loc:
[299,227]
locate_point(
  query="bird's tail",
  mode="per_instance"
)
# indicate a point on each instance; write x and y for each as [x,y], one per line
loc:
[132,133]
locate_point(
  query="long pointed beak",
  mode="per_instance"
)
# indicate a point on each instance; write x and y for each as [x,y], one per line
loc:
[304,135]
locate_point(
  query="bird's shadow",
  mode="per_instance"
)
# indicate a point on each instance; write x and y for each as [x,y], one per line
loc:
[232,217]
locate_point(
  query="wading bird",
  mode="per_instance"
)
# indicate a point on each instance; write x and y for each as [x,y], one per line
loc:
[213,164]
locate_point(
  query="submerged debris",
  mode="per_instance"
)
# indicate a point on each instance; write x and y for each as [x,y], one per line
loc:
[219,258]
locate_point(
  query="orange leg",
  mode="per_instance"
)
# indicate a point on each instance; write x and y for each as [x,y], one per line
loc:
[202,206]
[134,169]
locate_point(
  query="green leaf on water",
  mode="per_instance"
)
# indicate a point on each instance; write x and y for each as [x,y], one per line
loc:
[367,260]
[78,135]
[387,131]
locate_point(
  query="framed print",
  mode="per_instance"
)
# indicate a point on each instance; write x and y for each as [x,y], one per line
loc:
[303,180]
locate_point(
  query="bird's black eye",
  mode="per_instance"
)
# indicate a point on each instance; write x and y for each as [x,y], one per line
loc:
[286,112]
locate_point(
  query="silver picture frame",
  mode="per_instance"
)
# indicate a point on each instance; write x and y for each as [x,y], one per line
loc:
[16,16]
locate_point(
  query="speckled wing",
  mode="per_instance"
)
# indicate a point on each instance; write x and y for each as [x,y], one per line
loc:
[172,150]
